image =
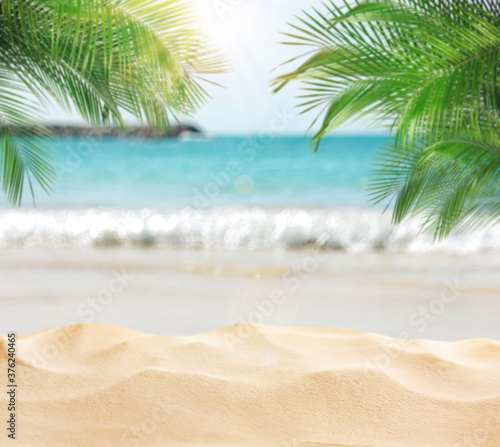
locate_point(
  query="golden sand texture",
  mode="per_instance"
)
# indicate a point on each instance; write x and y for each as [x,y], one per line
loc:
[101,385]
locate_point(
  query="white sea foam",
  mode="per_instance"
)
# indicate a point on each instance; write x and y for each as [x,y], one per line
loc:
[228,229]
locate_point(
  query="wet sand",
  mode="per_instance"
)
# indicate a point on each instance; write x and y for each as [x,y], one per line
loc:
[432,296]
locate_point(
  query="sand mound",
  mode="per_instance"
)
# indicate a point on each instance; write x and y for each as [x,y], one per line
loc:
[99,385]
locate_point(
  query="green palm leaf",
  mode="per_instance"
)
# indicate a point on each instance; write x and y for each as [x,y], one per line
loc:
[98,59]
[23,150]
[429,71]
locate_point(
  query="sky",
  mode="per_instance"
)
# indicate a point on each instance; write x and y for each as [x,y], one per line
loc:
[248,33]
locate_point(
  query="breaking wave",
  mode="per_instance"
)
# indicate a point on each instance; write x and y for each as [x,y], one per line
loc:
[228,229]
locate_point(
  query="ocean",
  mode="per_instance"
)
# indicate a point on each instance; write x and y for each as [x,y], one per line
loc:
[203,232]
[224,193]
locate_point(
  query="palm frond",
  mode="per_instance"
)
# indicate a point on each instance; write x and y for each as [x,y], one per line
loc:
[24,151]
[100,58]
[451,182]
[428,70]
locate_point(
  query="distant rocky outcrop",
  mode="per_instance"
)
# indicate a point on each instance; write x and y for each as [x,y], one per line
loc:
[135,132]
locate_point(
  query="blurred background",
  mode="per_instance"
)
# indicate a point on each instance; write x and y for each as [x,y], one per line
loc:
[237,223]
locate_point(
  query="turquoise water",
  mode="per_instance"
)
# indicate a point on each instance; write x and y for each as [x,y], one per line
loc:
[159,174]
[216,194]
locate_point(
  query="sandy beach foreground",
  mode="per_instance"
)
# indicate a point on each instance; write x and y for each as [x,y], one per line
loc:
[272,386]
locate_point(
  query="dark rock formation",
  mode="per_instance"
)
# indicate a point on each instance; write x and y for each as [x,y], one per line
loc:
[135,132]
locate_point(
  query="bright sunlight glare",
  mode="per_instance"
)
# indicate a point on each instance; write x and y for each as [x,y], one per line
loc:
[235,27]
